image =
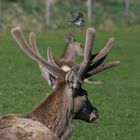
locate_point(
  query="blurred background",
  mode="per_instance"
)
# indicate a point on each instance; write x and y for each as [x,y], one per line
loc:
[39,14]
[118,99]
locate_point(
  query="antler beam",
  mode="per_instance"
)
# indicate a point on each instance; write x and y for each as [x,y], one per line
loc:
[90,35]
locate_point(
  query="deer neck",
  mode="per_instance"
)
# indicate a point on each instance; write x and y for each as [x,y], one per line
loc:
[56,111]
[69,54]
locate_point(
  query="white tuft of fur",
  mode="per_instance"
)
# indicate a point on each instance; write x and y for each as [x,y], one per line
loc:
[65,68]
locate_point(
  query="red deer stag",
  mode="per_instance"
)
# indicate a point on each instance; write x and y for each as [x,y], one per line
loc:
[52,119]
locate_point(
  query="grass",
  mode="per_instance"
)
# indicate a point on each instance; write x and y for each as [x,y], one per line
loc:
[118,100]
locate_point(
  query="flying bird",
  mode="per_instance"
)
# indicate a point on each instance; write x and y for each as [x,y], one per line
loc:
[77,20]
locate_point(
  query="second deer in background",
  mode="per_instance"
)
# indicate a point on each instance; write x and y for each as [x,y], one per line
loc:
[67,60]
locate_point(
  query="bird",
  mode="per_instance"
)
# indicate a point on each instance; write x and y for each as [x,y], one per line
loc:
[77,20]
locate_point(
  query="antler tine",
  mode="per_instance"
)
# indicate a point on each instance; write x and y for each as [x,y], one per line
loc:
[24,45]
[44,71]
[105,50]
[50,57]
[32,41]
[90,35]
[102,68]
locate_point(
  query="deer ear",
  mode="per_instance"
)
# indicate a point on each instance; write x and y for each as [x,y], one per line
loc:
[69,38]
[47,76]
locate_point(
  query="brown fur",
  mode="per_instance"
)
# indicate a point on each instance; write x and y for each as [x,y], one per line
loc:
[50,120]
[19,128]
[72,49]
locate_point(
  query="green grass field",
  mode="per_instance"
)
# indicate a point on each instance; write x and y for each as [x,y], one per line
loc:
[118,99]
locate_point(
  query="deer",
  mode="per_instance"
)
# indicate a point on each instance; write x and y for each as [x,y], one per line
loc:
[66,61]
[73,48]
[52,119]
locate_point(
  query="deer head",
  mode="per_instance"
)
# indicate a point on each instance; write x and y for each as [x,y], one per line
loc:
[72,49]
[68,84]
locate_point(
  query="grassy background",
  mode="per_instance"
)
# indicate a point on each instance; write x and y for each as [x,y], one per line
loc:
[118,100]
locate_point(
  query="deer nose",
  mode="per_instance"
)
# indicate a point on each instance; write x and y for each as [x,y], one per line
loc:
[93,116]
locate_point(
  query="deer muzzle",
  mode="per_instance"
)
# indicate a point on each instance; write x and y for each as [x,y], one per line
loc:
[87,113]
[93,116]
